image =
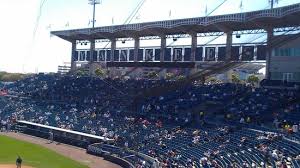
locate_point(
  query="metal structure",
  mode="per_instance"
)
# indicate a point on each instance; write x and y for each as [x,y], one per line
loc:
[211,34]
[272,2]
[275,18]
[94,3]
[283,19]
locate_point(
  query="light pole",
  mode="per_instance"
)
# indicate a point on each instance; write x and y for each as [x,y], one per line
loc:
[272,3]
[94,3]
[92,40]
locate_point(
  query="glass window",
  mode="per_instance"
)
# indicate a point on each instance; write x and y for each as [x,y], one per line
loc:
[297,52]
[281,52]
[297,76]
[293,50]
[287,52]
[277,52]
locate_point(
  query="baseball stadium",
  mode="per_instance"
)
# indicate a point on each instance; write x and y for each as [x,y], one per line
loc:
[220,90]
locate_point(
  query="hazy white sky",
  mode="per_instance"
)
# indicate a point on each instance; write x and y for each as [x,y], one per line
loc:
[23,52]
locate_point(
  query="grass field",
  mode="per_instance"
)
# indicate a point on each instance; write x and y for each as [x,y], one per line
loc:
[33,155]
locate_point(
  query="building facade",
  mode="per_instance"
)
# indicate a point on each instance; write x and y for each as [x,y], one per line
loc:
[285,62]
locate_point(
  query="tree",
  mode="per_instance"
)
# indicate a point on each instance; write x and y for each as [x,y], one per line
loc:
[170,75]
[11,77]
[152,74]
[100,72]
[253,79]
[180,77]
[81,72]
[235,78]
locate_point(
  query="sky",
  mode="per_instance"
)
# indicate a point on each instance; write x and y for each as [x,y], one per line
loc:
[26,45]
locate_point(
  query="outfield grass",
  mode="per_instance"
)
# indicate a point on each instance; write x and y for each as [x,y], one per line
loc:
[33,155]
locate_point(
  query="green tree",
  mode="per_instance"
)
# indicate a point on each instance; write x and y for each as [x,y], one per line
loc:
[152,74]
[100,72]
[11,77]
[81,72]
[170,75]
[253,79]
[235,78]
[180,77]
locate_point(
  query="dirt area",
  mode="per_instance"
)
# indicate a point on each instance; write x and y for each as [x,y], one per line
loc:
[12,166]
[72,152]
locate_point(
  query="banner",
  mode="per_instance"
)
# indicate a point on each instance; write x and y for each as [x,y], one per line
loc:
[177,54]
[210,53]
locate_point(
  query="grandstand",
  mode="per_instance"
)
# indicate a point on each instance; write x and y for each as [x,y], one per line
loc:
[183,128]
[182,121]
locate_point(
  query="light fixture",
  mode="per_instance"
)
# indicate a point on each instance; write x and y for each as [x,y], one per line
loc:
[123,41]
[238,36]
[174,39]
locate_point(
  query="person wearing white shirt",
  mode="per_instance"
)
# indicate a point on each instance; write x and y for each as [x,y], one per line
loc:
[295,128]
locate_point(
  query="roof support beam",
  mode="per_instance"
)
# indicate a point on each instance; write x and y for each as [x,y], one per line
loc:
[112,49]
[193,46]
[92,50]
[228,45]
[270,35]
[73,54]
[136,48]
[163,44]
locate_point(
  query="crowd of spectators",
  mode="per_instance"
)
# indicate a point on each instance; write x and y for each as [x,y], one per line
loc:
[159,126]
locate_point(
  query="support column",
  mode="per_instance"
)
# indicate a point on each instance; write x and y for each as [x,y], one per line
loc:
[216,53]
[92,66]
[194,47]
[228,54]
[163,44]
[228,45]
[255,53]
[136,48]
[203,53]
[270,35]
[92,49]
[112,49]
[73,54]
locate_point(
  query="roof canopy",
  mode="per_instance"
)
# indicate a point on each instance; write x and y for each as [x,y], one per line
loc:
[287,16]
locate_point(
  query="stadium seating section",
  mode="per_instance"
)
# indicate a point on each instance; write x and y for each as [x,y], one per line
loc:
[259,128]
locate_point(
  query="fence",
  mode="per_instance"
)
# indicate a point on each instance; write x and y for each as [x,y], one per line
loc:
[65,136]
[79,139]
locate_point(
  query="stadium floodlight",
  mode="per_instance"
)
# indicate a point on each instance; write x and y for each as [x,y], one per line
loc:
[272,2]
[94,3]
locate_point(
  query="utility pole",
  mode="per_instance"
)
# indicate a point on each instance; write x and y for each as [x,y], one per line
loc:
[94,3]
